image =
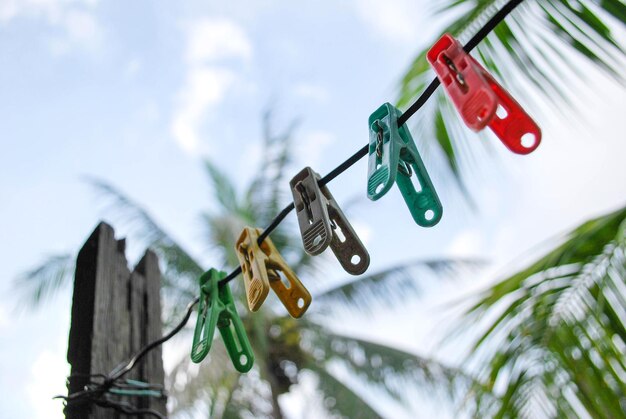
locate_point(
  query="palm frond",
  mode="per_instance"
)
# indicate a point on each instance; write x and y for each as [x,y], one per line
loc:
[260,203]
[580,246]
[178,262]
[339,398]
[393,285]
[223,189]
[197,389]
[537,51]
[392,370]
[44,281]
[268,186]
[180,271]
[222,231]
[553,334]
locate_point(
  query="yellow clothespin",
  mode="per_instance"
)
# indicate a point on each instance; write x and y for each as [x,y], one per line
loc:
[261,267]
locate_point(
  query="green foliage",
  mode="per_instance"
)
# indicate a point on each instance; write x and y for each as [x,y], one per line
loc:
[341,399]
[39,284]
[284,347]
[553,336]
[381,366]
[393,285]
[554,333]
[537,51]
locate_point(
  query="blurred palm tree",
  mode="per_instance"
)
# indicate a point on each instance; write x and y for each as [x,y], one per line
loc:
[555,349]
[552,337]
[285,348]
[539,52]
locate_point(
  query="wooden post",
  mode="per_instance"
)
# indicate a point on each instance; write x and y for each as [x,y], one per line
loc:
[114,313]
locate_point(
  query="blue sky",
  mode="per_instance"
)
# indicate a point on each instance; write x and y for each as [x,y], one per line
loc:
[137,93]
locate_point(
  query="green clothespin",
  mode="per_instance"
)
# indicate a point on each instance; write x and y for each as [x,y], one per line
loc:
[393,157]
[217,308]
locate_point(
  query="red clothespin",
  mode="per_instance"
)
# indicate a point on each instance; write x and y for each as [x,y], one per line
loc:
[480,99]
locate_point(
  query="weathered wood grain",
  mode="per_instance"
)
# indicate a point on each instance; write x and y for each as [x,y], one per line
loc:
[115,312]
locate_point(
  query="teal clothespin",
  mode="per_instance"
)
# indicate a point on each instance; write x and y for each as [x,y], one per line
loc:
[217,308]
[393,157]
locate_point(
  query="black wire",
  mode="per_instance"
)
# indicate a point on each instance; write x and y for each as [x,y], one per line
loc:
[275,222]
[343,166]
[126,408]
[419,102]
[491,24]
[471,44]
[114,375]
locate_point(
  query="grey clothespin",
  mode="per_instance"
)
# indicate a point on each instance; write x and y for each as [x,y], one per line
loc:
[322,223]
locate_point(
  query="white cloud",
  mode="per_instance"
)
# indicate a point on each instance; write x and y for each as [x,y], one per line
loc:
[75,18]
[4,318]
[82,27]
[313,92]
[48,374]
[395,20]
[210,40]
[209,44]
[133,68]
[466,243]
[8,9]
[250,157]
[205,87]
[312,146]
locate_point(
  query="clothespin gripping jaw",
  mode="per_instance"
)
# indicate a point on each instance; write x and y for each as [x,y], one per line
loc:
[480,99]
[463,82]
[253,269]
[217,308]
[323,223]
[383,153]
[262,267]
[209,308]
[311,211]
[399,165]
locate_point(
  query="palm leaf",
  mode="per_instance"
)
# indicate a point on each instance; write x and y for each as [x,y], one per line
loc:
[196,389]
[223,189]
[178,262]
[580,246]
[538,46]
[383,367]
[339,398]
[268,186]
[180,271]
[553,333]
[392,285]
[44,281]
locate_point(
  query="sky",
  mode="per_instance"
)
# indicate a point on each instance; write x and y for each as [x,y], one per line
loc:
[139,93]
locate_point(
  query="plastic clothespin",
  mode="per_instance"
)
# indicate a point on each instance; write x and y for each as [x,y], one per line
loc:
[322,223]
[261,267]
[480,99]
[217,308]
[393,157]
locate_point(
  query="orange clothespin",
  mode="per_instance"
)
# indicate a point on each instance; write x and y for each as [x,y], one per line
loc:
[262,267]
